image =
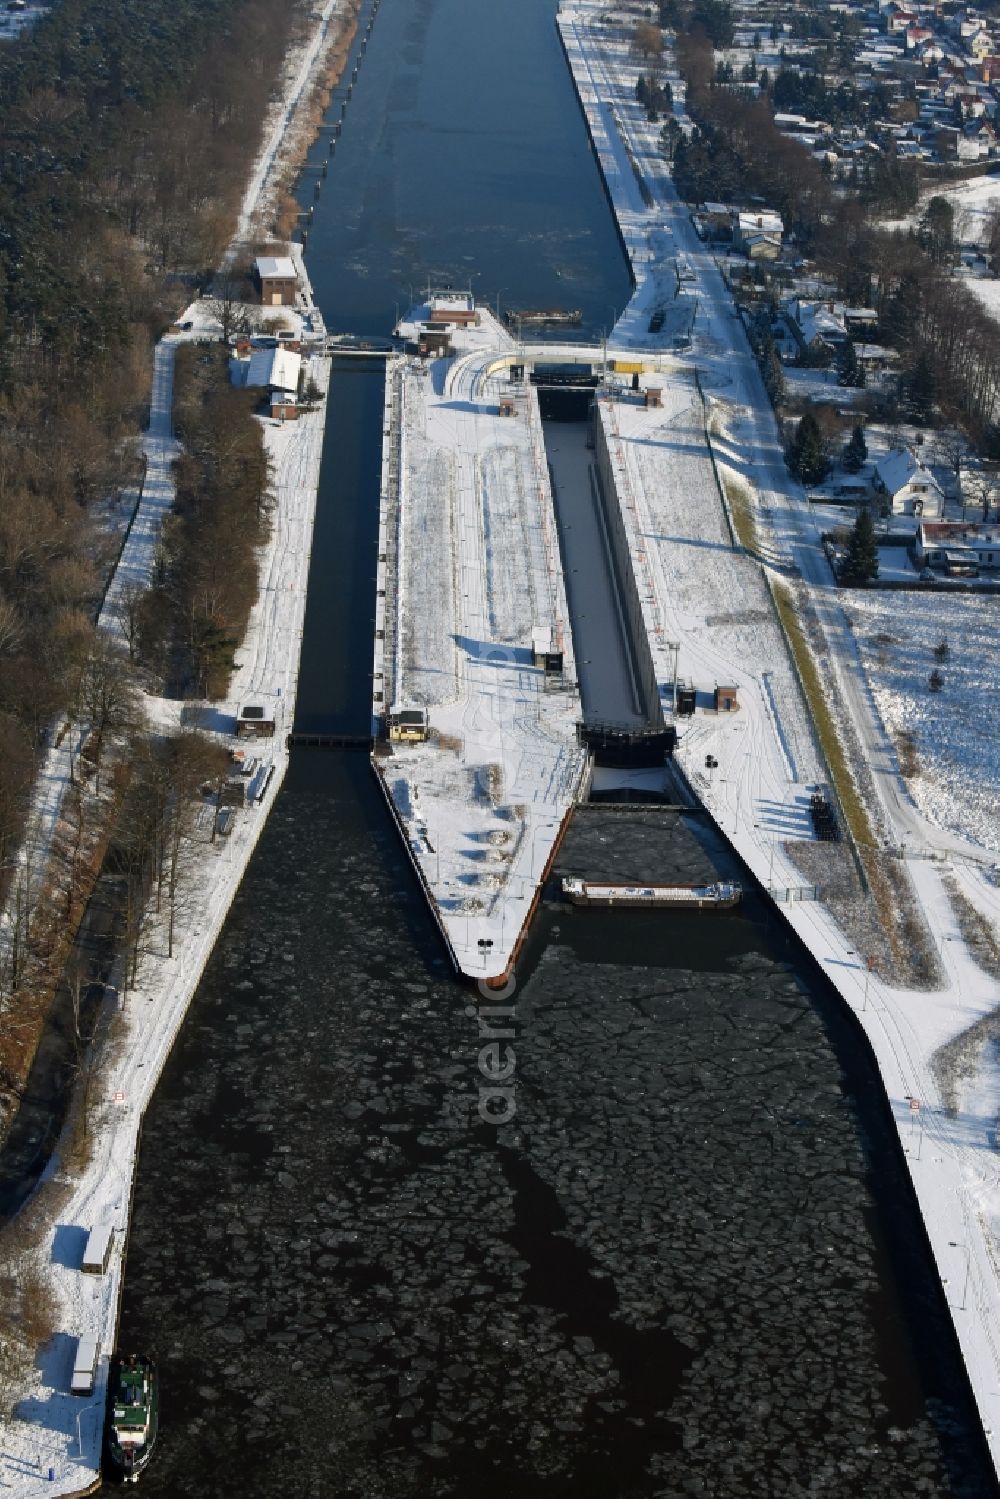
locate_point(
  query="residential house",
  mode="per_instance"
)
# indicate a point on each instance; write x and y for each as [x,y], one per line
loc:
[915,36]
[957,548]
[757,233]
[979,140]
[907,487]
[860,321]
[818,327]
[875,359]
[716,220]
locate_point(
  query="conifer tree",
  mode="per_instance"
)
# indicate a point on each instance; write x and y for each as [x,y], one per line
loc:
[861,562]
[774,375]
[856,450]
[807,455]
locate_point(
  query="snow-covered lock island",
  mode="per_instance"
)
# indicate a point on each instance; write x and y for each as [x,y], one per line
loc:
[476,709]
[475,697]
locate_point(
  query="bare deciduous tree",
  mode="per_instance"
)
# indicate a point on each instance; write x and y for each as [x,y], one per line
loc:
[107,697]
[647,40]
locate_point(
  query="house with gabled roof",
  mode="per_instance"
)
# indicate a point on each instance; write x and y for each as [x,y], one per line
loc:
[908,487]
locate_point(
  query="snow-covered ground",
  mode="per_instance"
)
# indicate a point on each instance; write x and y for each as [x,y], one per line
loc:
[764,750]
[54,1431]
[720,614]
[482,801]
[973,200]
[986,289]
[954,728]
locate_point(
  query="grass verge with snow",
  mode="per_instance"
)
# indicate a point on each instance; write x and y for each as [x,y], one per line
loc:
[853,808]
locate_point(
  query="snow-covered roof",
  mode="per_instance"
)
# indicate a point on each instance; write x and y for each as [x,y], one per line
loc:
[900,468]
[277,369]
[820,322]
[276,268]
[448,301]
[761,220]
[936,533]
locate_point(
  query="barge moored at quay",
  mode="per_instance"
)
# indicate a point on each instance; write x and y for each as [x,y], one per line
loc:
[721,895]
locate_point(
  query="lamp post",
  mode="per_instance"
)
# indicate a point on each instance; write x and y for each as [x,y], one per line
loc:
[954,1244]
[770,862]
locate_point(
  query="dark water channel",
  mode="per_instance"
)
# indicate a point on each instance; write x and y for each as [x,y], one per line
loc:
[605,663]
[690,1265]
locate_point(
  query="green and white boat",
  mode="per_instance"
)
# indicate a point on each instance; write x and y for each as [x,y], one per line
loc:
[133,1414]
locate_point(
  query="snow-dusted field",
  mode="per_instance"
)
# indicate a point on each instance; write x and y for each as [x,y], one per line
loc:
[973,201]
[986,289]
[955,728]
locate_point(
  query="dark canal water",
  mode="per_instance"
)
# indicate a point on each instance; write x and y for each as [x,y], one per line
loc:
[669,1274]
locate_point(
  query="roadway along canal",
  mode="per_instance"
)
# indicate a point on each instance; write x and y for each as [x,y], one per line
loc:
[691,1264]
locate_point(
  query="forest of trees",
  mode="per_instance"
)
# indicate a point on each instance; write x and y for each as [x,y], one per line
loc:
[126,135]
[189,624]
[797,91]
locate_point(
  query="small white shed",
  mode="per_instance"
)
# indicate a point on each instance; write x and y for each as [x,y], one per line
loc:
[84,1366]
[97,1250]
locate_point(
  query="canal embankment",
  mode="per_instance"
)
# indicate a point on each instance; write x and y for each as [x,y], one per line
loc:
[757,767]
[55,1437]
